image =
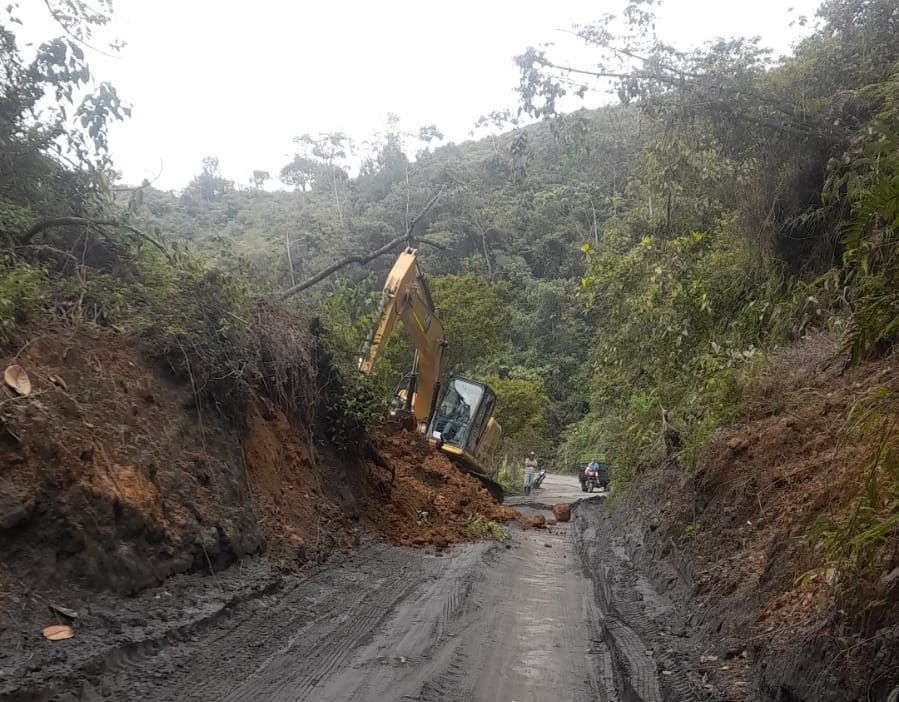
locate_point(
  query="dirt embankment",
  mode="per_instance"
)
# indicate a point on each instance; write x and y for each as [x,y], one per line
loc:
[738,539]
[112,476]
[309,502]
[109,476]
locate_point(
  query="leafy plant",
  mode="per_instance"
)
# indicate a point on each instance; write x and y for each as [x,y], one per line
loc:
[22,288]
[485,528]
[856,547]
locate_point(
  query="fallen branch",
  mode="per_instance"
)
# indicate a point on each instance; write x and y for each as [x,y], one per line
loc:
[53,222]
[431,242]
[366,257]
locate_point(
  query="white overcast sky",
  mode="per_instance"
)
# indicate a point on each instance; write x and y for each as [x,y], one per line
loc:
[238,79]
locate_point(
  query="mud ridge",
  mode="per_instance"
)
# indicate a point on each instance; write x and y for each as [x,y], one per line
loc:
[652,655]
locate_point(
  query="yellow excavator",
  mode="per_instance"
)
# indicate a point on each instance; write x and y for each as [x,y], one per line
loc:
[457,418]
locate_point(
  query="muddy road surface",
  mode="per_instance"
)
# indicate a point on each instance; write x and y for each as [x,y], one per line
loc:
[518,622]
[554,489]
[483,622]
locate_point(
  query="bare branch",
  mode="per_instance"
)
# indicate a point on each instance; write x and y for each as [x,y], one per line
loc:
[431,242]
[53,222]
[406,237]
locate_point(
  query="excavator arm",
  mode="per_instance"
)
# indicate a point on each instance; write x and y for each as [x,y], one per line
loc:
[406,298]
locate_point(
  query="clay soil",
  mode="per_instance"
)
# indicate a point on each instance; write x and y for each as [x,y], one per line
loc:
[738,538]
[415,496]
[311,502]
[110,477]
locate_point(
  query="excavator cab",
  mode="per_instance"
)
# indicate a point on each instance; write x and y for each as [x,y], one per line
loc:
[461,417]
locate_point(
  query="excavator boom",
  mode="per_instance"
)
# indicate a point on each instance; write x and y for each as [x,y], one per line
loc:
[406,298]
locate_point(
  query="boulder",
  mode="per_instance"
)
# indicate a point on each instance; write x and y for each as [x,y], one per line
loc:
[562,512]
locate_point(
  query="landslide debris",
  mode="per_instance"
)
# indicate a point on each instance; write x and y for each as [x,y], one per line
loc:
[415,496]
[111,477]
[562,512]
[535,521]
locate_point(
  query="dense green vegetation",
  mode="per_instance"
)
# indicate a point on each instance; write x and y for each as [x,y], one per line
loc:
[501,249]
[612,273]
[762,205]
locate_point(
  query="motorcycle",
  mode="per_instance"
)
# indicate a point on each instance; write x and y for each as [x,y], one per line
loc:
[590,481]
[539,479]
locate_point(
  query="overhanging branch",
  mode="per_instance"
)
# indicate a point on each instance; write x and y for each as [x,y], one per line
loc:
[406,237]
[54,222]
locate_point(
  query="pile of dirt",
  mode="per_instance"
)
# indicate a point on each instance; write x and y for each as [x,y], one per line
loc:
[415,496]
[110,477]
[737,537]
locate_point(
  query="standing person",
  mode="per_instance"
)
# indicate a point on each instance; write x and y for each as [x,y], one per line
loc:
[530,467]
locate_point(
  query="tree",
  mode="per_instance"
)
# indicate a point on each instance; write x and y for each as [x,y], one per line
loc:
[330,149]
[259,178]
[209,185]
[40,114]
[521,411]
[300,173]
[476,318]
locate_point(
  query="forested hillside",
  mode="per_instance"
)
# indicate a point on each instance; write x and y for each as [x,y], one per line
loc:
[502,246]
[610,263]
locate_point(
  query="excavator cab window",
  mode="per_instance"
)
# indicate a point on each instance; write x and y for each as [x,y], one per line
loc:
[452,423]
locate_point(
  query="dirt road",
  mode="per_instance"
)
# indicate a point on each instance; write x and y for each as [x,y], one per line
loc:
[555,488]
[484,622]
[517,622]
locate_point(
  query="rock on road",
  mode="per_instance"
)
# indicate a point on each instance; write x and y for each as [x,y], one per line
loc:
[483,622]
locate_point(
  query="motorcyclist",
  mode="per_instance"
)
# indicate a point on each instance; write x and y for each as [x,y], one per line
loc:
[592,470]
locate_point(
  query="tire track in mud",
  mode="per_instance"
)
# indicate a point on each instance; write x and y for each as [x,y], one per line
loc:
[415,636]
[635,620]
[318,662]
[229,640]
[526,632]
[451,682]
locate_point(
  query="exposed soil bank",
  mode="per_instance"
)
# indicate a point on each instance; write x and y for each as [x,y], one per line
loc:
[734,543]
[113,479]
[109,477]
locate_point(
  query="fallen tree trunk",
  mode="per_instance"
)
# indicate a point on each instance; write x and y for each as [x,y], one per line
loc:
[53,222]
